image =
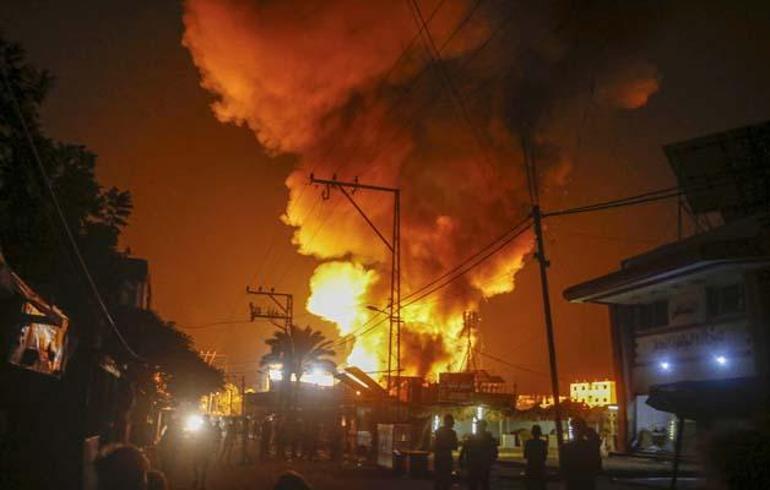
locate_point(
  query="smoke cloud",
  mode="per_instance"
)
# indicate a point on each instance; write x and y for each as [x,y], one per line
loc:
[352,90]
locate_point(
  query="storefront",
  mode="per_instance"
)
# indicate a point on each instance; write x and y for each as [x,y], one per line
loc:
[689,323]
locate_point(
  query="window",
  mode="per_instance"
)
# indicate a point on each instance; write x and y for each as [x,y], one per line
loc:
[651,315]
[725,300]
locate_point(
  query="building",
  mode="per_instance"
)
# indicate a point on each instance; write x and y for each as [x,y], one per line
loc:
[594,393]
[134,288]
[527,402]
[690,319]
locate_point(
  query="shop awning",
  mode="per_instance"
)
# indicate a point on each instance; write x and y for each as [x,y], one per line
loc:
[702,400]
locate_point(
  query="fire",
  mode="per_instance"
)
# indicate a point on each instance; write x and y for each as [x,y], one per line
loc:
[348,88]
[338,294]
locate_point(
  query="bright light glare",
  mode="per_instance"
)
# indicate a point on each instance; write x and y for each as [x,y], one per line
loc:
[319,378]
[665,366]
[193,423]
[721,360]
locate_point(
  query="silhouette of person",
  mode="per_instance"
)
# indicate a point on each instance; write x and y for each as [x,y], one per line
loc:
[536,453]
[581,460]
[228,443]
[265,437]
[203,450]
[445,443]
[477,456]
[169,446]
[121,467]
[291,480]
[156,480]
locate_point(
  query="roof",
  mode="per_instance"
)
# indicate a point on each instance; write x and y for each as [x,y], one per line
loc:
[697,400]
[12,286]
[742,243]
[134,269]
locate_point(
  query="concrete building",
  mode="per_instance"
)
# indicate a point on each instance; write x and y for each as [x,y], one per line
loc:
[690,319]
[594,393]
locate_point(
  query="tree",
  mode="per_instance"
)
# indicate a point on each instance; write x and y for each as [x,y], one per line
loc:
[32,235]
[298,350]
[170,354]
[34,240]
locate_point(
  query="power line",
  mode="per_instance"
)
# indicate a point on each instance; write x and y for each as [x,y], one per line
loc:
[513,365]
[474,263]
[220,323]
[60,214]
[448,277]
[435,54]
[412,118]
[627,201]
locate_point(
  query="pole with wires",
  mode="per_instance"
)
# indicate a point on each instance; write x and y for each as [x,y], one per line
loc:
[542,260]
[394,246]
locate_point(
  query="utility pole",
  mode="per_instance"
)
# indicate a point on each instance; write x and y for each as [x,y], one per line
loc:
[470,323]
[394,245]
[544,263]
[284,302]
[542,259]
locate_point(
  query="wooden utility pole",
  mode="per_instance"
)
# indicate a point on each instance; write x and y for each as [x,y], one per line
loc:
[283,310]
[537,218]
[543,261]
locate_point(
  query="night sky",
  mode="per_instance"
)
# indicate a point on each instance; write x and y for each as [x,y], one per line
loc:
[208,198]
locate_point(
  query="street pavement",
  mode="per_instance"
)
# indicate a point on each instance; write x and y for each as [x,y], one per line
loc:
[328,476]
[622,472]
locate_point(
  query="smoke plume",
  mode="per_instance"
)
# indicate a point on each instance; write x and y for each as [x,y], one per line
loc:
[358,89]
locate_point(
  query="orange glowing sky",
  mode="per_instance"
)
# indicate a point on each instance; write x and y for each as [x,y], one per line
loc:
[208,199]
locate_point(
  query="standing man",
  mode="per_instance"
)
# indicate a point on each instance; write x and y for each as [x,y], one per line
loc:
[445,443]
[265,437]
[536,453]
[477,456]
[202,452]
[581,460]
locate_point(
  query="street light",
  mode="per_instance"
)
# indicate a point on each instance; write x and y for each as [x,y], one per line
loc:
[193,422]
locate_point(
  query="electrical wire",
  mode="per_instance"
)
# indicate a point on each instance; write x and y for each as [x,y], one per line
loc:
[448,277]
[60,214]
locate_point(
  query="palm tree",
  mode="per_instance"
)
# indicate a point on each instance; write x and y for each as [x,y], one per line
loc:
[297,350]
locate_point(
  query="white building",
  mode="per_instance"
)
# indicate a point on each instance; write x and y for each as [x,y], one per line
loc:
[594,393]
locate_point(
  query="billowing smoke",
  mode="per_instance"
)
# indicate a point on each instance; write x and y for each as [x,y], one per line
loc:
[352,89]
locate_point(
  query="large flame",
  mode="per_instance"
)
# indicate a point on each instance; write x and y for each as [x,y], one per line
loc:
[338,290]
[346,86]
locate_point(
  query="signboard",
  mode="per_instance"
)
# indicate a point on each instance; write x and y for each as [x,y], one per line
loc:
[694,342]
[687,308]
[456,386]
[699,353]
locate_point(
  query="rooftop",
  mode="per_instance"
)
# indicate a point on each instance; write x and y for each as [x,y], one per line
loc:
[742,243]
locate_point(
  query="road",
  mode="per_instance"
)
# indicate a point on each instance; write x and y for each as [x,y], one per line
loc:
[327,476]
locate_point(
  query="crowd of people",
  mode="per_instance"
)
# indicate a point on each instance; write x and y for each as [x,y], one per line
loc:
[241,440]
[125,467]
[580,461]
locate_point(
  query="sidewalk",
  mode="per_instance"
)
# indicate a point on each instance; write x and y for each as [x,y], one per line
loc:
[614,466]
